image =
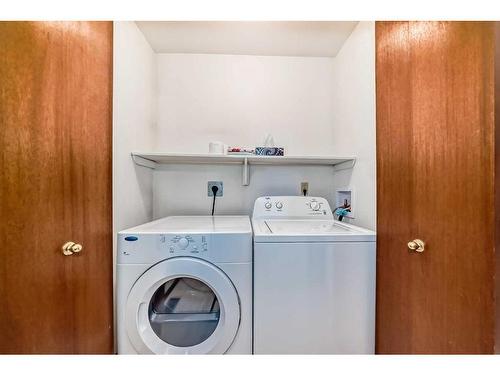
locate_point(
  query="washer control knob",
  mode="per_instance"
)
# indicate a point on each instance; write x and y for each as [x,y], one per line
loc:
[268,205]
[183,243]
[315,206]
[279,205]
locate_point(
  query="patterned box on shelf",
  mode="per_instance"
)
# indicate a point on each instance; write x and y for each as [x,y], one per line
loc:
[270,151]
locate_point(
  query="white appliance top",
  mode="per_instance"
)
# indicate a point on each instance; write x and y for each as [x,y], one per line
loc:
[291,227]
[302,219]
[194,224]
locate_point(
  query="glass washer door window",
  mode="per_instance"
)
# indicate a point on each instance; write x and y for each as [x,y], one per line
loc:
[184,312]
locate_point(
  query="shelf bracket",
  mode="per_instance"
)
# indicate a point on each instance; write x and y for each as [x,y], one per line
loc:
[245,176]
[143,162]
[348,164]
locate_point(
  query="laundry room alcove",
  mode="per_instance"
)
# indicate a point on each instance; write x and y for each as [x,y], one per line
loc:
[180,85]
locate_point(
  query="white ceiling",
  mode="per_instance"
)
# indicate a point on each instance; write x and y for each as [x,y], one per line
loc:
[276,38]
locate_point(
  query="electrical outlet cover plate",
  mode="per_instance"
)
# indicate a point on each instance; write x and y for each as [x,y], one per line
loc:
[304,186]
[219,184]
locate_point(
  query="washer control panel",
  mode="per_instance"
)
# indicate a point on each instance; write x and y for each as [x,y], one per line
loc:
[292,207]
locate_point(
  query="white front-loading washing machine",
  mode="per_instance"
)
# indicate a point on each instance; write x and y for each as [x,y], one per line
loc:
[314,280]
[184,286]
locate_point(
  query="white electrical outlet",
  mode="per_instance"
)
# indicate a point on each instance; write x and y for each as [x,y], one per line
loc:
[304,188]
[219,185]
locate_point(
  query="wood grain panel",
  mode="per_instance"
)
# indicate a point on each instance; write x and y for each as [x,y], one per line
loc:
[394,193]
[444,296]
[497,187]
[55,186]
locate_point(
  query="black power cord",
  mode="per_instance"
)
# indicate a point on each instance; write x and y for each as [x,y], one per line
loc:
[215,189]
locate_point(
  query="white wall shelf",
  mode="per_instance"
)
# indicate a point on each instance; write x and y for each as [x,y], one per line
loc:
[153,159]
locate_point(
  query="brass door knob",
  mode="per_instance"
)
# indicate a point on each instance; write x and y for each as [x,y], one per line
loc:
[70,248]
[416,245]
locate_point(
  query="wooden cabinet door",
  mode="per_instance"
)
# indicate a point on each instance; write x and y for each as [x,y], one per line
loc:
[55,186]
[435,182]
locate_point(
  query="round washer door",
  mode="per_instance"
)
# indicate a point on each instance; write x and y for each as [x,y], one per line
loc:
[182,306]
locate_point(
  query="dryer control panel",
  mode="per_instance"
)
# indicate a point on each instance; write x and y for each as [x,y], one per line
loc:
[184,244]
[292,207]
[146,248]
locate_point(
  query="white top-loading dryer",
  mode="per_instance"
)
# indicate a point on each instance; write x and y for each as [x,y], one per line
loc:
[184,286]
[314,280]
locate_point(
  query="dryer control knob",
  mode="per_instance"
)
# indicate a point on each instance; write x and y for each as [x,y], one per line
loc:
[183,243]
[268,205]
[279,205]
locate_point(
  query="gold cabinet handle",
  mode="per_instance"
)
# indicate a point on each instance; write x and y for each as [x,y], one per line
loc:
[70,248]
[416,245]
